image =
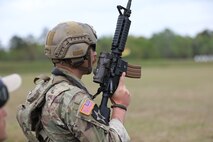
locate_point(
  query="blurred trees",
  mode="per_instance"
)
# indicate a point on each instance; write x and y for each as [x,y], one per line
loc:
[169,45]
[165,44]
[203,42]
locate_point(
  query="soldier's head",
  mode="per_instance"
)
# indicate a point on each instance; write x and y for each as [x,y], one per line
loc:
[72,44]
[4,95]
[7,84]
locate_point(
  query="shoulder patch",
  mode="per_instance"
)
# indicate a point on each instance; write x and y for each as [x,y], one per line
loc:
[87,107]
[98,117]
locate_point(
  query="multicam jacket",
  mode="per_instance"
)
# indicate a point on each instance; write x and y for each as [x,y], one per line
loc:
[68,115]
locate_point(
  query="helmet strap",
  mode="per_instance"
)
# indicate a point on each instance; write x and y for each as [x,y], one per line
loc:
[77,62]
[88,69]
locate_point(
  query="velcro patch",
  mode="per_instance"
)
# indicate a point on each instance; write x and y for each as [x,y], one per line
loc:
[87,107]
[98,116]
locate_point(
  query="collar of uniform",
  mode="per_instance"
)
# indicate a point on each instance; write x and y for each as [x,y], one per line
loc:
[71,75]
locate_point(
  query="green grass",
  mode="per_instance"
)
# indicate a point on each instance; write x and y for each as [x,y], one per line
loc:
[24,67]
[172,102]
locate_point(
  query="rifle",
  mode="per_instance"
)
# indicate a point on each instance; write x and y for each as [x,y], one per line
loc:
[110,66]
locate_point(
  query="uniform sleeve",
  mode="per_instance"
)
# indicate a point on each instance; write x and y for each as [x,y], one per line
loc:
[116,125]
[79,117]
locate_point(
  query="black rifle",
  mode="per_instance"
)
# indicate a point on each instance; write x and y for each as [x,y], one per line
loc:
[110,66]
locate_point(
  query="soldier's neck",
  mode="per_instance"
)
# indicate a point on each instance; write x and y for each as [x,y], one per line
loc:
[73,71]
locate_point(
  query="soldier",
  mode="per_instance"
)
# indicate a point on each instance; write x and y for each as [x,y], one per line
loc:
[7,84]
[68,113]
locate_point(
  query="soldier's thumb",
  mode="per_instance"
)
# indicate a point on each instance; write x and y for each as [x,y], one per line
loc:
[122,79]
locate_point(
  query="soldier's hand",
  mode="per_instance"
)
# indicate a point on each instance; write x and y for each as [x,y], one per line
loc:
[122,94]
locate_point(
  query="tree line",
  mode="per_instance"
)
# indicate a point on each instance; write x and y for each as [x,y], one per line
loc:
[165,45]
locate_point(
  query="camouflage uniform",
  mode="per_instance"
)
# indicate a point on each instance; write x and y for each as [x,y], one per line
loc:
[60,108]
[63,119]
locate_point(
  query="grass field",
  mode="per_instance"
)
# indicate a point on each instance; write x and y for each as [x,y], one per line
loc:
[171,103]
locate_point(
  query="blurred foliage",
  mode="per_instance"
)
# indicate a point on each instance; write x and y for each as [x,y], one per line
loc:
[162,45]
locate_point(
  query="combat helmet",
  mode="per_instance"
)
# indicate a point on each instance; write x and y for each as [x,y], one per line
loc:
[69,40]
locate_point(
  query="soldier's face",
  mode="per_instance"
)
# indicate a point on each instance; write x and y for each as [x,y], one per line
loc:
[3,134]
[90,63]
[93,56]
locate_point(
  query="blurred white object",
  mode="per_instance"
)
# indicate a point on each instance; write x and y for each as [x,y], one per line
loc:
[12,81]
[203,58]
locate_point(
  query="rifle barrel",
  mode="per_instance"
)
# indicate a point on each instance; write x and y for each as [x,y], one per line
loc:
[129,4]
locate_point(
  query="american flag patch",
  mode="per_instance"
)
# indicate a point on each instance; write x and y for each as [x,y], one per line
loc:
[87,107]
